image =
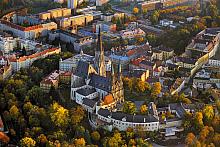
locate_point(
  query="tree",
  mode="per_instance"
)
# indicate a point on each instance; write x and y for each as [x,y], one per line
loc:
[208,113]
[76,115]
[27,142]
[156,89]
[95,136]
[42,139]
[37,95]
[144,11]
[216,139]
[143,109]
[27,107]
[59,115]
[111,142]
[135,10]
[190,139]
[80,142]
[205,132]
[142,143]
[212,11]
[14,112]
[129,107]
[198,120]
[140,85]
[154,18]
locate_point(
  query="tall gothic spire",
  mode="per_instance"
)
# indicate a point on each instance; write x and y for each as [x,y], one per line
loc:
[99,42]
[99,56]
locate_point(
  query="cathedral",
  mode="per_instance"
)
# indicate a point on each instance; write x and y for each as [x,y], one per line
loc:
[92,86]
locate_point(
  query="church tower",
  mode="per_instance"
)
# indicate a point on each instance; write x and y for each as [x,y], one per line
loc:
[99,57]
[120,82]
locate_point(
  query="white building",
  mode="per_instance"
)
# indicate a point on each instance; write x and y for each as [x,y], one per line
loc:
[26,61]
[7,43]
[28,32]
[123,121]
[70,64]
[130,34]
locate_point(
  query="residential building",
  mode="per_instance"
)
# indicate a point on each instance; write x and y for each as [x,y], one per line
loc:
[131,34]
[53,80]
[157,54]
[105,26]
[70,64]
[137,73]
[28,32]
[165,22]
[26,61]
[185,62]
[162,53]
[5,68]
[101,2]
[55,13]
[7,43]
[123,121]
[78,41]
[79,20]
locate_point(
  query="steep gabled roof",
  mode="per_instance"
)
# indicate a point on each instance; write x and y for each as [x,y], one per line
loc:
[82,69]
[100,82]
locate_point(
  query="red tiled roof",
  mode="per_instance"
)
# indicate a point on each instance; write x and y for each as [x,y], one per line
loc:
[21,28]
[130,52]
[14,59]
[108,99]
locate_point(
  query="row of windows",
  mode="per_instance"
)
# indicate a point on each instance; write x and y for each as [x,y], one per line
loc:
[153,125]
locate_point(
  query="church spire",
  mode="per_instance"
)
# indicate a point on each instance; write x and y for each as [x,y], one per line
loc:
[99,42]
[99,56]
[119,71]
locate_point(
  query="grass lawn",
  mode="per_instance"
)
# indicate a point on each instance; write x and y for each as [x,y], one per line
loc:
[134,96]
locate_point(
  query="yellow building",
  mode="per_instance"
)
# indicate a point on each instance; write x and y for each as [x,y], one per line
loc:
[78,20]
[44,15]
[55,13]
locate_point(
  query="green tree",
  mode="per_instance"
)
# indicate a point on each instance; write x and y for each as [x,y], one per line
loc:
[154,18]
[129,107]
